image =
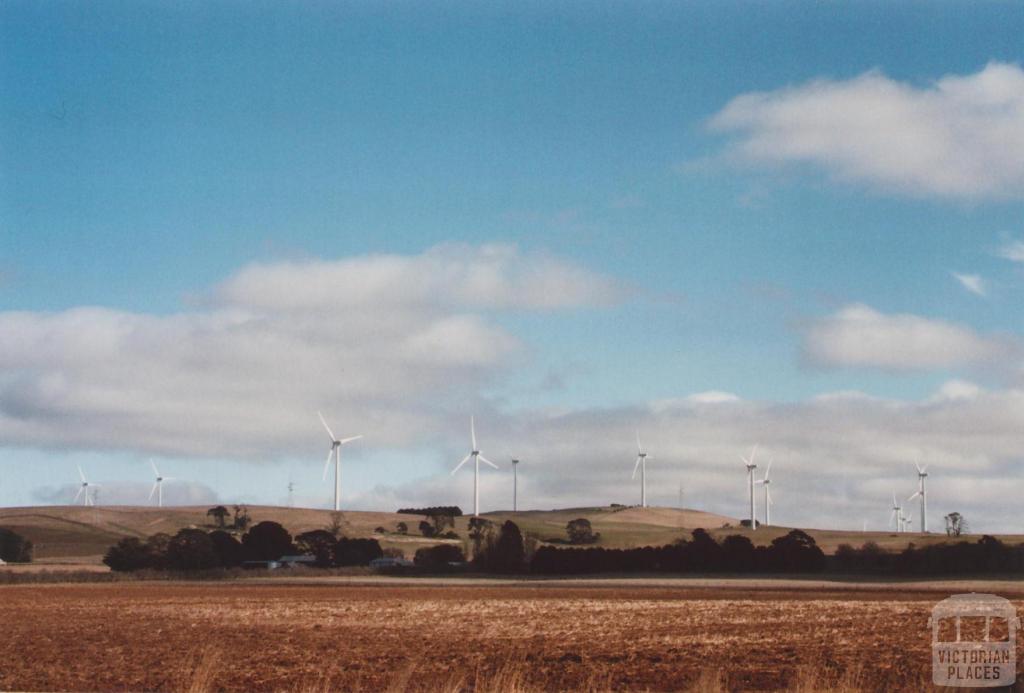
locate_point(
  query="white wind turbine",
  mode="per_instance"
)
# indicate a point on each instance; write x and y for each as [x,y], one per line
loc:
[83,489]
[477,458]
[897,514]
[641,464]
[751,466]
[158,485]
[766,481]
[335,452]
[922,474]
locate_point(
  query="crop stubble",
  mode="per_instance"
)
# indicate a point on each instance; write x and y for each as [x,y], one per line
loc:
[151,636]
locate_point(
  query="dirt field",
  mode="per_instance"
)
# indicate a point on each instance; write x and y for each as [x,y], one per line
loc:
[239,636]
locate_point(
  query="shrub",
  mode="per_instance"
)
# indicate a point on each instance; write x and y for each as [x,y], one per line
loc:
[438,557]
[580,531]
[349,552]
[266,541]
[129,554]
[14,548]
[320,544]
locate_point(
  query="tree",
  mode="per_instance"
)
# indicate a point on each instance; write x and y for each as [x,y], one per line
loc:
[127,555]
[426,529]
[267,541]
[441,521]
[506,555]
[738,554]
[242,519]
[156,547]
[481,533]
[14,548]
[956,524]
[219,514]
[191,549]
[580,531]
[337,524]
[318,543]
[797,552]
[402,528]
[438,557]
[350,552]
[227,548]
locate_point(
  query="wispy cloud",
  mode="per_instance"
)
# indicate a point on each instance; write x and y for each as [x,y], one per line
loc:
[971,282]
[960,137]
[1013,251]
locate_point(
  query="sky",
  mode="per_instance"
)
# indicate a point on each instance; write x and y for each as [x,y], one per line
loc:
[792,225]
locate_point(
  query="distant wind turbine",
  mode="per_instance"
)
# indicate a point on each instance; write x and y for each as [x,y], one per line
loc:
[158,485]
[335,452]
[641,464]
[751,466]
[477,457]
[922,474]
[766,482]
[897,514]
[83,489]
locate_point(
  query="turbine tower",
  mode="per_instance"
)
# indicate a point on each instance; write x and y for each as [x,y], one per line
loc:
[477,458]
[767,494]
[83,489]
[515,486]
[922,474]
[158,485]
[897,514]
[335,452]
[641,464]
[751,466]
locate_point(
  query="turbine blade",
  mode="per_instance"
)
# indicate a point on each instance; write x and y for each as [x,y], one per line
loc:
[639,447]
[343,441]
[919,470]
[464,461]
[753,454]
[329,431]
[81,473]
[153,490]
[636,466]
[327,464]
[155,470]
[484,459]
[768,469]
[79,494]
[916,494]
[472,431]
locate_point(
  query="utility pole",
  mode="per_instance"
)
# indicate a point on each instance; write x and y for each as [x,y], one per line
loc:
[515,486]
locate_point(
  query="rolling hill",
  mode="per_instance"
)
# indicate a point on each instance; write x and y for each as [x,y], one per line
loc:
[75,535]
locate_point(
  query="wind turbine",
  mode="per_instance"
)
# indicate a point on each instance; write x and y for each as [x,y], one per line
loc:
[335,452]
[515,485]
[83,489]
[767,494]
[897,514]
[922,474]
[641,464]
[477,457]
[158,485]
[750,483]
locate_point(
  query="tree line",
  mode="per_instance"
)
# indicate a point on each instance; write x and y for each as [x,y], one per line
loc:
[197,549]
[14,548]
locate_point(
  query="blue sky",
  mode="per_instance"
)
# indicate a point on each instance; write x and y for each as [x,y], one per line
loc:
[153,152]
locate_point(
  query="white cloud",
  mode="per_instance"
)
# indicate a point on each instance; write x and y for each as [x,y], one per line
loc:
[858,336]
[972,283]
[960,137]
[1013,250]
[385,344]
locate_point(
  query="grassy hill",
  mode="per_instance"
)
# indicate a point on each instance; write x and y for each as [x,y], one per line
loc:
[77,535]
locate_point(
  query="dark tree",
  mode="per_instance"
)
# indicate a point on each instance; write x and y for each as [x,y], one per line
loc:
[191,549]
[219,515]
[128,555]
[438,557]
[956,524]
[738,554]
[580,531]
[267,541]
[506,555]
[318,543]
[349,552]
[337,524]
[426,529]
[796,552]
[227,548]
[242,519]
[703,552]
[156,546]
[402,528]
[441,522]
[14,548]
[481,533]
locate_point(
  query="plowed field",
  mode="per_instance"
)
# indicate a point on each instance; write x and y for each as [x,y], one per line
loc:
[153,636]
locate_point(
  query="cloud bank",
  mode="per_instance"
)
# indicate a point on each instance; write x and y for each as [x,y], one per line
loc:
[961,137]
